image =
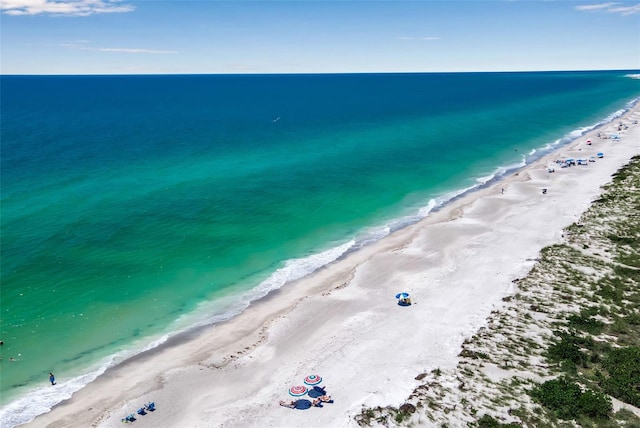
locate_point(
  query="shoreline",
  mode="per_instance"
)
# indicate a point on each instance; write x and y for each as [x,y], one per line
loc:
[342,321]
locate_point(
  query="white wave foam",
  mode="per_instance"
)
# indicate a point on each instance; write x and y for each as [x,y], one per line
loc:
[579,132]
[487,178]
[426,210]
[576,133]
[613,116]
[295,269]
[555,143]
[535,153]
[499,172]
[377,233]
[41,400]
[227,307]
[372,235]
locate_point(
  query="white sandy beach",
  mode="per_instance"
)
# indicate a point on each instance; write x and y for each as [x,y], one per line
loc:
[343,322]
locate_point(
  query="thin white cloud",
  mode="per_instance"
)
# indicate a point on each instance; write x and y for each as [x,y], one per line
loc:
[417,38]
[594,6]
[84,46]
[135,51]
[75,44]
[610,7]
[626,10]
[63,7]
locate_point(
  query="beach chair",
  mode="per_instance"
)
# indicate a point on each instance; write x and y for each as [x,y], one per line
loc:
[129,418]
[150,406]
[141,411]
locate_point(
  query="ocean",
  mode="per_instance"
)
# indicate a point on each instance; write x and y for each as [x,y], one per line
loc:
[134,208]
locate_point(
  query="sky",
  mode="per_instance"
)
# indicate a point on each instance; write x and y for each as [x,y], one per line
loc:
[330,36]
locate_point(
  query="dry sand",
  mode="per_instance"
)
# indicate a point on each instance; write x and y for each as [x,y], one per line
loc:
[343,322]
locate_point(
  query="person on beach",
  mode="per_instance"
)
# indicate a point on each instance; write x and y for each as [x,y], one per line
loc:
[290,404]
[52,379]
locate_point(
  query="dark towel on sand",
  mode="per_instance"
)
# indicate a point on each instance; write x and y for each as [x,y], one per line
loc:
[315,393]
[303,404]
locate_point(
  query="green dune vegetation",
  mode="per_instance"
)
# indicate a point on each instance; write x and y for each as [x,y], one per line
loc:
[564,350]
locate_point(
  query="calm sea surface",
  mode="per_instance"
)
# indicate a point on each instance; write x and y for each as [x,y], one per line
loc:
[135,207]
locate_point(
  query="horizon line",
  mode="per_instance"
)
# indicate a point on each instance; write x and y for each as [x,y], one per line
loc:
[318,73]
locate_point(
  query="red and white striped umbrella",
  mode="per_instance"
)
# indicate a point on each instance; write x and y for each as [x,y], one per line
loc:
[312,379]
[298,390]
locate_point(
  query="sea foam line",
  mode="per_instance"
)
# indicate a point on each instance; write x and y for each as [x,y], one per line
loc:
[41,400]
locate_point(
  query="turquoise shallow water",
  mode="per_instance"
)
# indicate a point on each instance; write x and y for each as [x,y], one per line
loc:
[134,207]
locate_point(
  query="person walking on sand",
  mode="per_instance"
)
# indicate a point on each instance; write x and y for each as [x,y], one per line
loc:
[52,379]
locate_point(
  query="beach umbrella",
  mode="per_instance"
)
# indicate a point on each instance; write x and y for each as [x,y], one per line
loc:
[312,379]
[298,390]
[402,295]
